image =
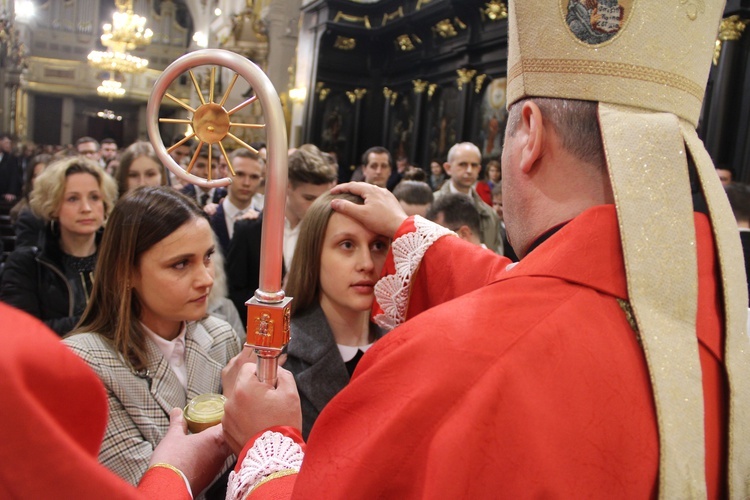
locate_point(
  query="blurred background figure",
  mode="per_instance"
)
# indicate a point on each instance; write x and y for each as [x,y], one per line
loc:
[181,156]
[457,213]
[725,173]
[89,147]
[11,173]
[376,166]
[53,279]
[414,196]
[108,150]
[27,225]
[437,175]
[139,166]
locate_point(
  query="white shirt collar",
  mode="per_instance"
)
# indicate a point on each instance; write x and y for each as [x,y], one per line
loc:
[173,352]
[290,241]
[348,352]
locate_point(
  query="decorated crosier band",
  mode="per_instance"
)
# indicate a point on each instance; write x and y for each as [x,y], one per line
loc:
[646,62]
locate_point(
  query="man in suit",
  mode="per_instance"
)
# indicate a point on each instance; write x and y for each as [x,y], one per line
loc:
[310,175]
[463,166]
[11,175]
[108,150]
[201,195]
[238,204]
[377,165]
[89,147]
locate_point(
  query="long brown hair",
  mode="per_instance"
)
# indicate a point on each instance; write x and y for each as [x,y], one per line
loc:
[303,282]
[141,219]
[132,153]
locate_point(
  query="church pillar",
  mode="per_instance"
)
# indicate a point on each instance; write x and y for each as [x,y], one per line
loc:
[420,86]
[722,116]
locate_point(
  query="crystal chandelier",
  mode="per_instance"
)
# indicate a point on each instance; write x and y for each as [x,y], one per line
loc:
[127,31]
[117,61]
[110,88]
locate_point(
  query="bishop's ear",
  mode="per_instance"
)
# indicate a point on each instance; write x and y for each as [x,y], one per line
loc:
[533,133]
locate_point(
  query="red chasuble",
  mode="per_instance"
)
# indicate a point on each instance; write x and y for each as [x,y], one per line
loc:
[54,416]
[532,385]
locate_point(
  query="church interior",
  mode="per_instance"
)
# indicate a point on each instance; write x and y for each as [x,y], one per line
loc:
[415,76]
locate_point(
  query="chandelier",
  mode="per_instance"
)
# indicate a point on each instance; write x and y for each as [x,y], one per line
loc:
[110,88]
[127,31]
[122,62]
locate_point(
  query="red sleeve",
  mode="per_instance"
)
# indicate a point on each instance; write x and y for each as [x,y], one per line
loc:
[163,483]
[450,268]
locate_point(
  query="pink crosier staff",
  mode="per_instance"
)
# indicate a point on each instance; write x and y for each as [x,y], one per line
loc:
[268,311]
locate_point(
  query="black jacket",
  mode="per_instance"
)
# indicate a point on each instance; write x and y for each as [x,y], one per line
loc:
[29,228]
[316,363]
[243,263]
[218,194]
[11,176]
[34,281]
[219,225]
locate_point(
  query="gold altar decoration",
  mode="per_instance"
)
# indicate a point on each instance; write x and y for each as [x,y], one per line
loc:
[495,10]
[464,77]
[344,43]
[730,30]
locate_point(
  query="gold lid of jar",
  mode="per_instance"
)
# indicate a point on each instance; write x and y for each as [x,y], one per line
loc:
[204,411]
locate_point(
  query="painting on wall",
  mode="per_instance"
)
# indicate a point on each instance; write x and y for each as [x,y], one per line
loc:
[402,127]
[338,125]
[444,126]
[492,118]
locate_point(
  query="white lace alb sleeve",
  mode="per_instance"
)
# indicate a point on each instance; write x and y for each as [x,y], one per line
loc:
[272,454]
[392,291]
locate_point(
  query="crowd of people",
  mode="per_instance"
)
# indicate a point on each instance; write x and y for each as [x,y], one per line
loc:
[156,308]
[426,360]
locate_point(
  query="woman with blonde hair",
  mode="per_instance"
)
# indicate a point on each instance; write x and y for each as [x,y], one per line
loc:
[53,280]
[336,264]
[146,332]
[139,166]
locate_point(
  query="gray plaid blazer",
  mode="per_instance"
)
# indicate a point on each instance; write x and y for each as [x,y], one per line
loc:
[139,402]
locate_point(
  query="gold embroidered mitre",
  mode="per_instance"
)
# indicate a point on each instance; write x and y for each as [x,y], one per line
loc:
[644,54]
[646,63]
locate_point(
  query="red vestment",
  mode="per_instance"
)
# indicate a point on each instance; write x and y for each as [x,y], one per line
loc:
[532,385]
[54,416]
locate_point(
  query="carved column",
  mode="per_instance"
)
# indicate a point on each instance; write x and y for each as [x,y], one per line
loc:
[722,116]
[465,76]
[355,97]
[308,54]
[420,86]
[390,100]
